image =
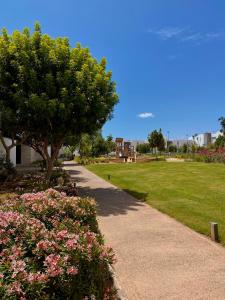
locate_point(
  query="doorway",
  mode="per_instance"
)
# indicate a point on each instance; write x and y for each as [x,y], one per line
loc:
[18,154]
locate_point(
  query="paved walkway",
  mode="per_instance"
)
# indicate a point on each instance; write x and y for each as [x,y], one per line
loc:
[158,258]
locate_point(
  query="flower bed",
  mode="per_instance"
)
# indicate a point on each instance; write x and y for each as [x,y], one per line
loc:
[211,155]
[50,248]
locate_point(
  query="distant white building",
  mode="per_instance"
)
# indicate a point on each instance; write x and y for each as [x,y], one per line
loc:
[205,139]
[134,143]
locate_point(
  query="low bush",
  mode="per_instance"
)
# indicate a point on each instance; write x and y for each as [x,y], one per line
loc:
[211,155]
[6,169]
[205,155]
[92,160]
[84,160]
[50,248]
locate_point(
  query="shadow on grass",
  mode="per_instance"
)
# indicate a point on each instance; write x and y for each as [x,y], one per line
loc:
[140,196]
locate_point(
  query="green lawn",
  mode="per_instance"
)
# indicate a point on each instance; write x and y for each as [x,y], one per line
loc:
[193,193]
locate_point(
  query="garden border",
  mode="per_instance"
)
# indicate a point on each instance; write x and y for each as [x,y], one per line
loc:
[119,291]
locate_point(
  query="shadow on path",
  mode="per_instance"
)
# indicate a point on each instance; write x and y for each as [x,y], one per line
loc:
[111,201]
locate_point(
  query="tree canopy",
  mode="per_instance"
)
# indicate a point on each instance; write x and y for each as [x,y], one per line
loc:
[95,145]
[156,140]
[53,90]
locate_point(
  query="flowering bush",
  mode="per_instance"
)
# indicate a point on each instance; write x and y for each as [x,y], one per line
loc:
[211,155]
[50,248]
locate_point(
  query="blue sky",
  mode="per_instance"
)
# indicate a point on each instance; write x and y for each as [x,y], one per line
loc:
[167,57]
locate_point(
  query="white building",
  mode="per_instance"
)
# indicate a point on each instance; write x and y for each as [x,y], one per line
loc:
[20,155]
[12,152]
[205,139]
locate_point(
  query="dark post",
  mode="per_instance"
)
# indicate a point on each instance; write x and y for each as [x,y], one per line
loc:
[214,232]
[109,176]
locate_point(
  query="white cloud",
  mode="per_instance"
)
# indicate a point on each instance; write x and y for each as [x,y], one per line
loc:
[146,115]
[186,34]
[167,33]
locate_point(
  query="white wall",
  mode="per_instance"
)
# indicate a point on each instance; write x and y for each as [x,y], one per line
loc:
[28,155]
[12,152]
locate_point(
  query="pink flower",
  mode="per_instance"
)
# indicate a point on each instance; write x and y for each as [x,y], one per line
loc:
[15,287]
[71,243]
[38,277]
[61,234]
[52,260]
[72,271]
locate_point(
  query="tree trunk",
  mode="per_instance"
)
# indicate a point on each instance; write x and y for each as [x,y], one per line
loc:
[49,166]
[50,159]
[7,154]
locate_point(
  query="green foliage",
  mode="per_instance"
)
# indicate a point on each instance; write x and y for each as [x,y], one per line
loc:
[172,148]
[6,169]
[91,160]
[193,148]
[143,148]
[52,90]
[220,141]
[95,145]
[68,152]
[85,160]
[222,124]
[85,147]
[156,140]
[184,148]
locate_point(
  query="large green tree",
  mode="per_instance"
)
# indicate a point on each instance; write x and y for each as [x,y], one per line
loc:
[58,90]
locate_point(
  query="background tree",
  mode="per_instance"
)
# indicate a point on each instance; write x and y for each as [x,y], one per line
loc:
[184,148]
[222,124]
[95,145]
[156,140]
[143,148]
[62,91]
[172,148]
[220,141]
[110,144]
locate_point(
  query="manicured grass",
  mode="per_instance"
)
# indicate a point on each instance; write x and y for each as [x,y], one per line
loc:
[193,193]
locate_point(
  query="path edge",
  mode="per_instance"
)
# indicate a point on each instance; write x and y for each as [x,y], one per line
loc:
[119,292]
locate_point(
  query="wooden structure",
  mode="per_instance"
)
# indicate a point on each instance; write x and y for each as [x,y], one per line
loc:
[125,151]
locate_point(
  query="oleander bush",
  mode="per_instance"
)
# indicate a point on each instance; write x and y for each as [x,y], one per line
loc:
[205,155]
[50,248]
[211,155]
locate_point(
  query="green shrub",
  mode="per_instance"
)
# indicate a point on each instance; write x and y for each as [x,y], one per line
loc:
[6,169]
[85,160]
